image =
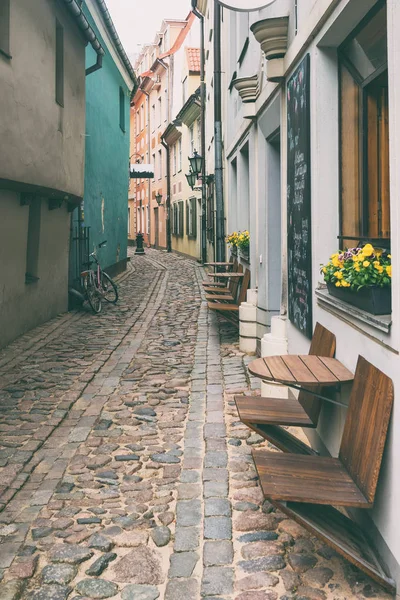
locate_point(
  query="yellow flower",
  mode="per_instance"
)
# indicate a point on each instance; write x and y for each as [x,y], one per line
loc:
[356,258]
[366,263]
[368,250]
[338,284]
[389,256]
[324,270]
[357,268]
[338,275]
[389,270]
[335,255]
[378,253]
[376,264]
[345,284]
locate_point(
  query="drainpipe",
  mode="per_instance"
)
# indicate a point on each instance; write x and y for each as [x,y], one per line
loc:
[168,200]
[203,135]
[88,33]
[149,151]
[219,175]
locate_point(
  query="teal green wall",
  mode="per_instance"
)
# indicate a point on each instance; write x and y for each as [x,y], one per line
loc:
[106,157]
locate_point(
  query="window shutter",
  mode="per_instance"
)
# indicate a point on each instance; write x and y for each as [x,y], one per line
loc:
[188,217]
[194,217]
[180,219]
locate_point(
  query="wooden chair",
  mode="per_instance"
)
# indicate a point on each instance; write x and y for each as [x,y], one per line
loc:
[230,290]
[209,285]
[266,415]
[230,311]
[307,488]
[350,479]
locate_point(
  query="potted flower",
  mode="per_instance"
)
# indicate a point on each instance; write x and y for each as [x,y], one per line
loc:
[232,240]
[362,277]
[244,244]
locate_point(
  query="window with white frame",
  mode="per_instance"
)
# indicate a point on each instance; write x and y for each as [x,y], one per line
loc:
[191,138]
[191,217]
[180,154]
[153,117]
[198,135]
[159,111]
[147,219]
[174,158]
[154,165]
[142,117]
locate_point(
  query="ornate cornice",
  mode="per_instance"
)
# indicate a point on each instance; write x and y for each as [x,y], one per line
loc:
[248,88]
[272,35]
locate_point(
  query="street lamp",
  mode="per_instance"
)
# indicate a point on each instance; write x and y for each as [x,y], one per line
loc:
[196,163]
[191,178]
[158,198]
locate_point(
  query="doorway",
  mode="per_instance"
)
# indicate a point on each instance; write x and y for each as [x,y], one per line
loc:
[274,233]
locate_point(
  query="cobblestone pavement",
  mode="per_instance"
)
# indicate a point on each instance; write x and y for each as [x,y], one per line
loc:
[124,471]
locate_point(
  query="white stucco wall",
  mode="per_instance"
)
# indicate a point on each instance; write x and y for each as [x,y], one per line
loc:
[41,142]
[322,27]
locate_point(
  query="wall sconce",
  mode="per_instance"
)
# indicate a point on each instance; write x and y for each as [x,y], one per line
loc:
[159,198]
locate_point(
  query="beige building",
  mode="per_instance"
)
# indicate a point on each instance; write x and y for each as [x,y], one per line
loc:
[42,127]
[183,136]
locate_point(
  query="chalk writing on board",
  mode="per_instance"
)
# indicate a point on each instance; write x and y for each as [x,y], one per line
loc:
[299,199]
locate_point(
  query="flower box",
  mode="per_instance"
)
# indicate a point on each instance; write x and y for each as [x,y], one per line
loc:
[244,254]
[373,299]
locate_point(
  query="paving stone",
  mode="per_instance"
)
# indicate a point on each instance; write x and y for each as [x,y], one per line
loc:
[41,532]
[217,580]
[166,518]
[182,564]
[25,569]
[88,520]
[262,548]
[100,542]
[142,565]
[266,563]
[309,593]
[107,475]
[218,528]
[161,536]
[165,458]
[242,506]
[258,595]
[12,590]
[186,539]
[302,562]
[318,576]
[70,554]
[182,589]
[140,592]
[249,520]
[50,592]
[59,574]
[188,513]
[217,553]
[101,564]
[97,588]
[213,489]
[8,530]
[216,459]
[127,457]
[256,581]
[258,536]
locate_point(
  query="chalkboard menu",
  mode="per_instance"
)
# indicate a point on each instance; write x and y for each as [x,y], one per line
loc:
[299,198]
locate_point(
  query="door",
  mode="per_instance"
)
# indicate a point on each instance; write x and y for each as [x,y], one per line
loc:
[156,228]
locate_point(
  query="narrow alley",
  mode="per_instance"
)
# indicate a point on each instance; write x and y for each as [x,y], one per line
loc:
[117,432]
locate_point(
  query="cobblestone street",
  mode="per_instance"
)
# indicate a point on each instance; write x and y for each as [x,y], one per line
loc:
[124,470]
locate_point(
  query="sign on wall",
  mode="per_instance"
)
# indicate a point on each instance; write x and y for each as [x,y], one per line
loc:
[299,198]
[141,171]
[246,5]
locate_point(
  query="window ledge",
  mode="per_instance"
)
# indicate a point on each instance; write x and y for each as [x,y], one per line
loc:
[325,300]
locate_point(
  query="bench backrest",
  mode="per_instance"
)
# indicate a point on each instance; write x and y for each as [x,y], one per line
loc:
[244,286]
[366,426]
[234,281]
[323,343]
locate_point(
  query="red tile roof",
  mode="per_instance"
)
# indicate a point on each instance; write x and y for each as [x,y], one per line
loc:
[193,58]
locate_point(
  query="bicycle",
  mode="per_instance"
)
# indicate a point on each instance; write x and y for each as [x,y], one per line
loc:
[97,284]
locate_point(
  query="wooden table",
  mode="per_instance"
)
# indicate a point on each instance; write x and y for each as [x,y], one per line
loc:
[226,274]
[303,373]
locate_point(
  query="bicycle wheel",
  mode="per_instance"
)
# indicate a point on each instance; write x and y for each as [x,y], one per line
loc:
[110,292]
[92,295]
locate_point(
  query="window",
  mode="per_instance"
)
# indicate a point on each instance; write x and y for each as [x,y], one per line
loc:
[180,218]
[184,86]
[191,134]
[154,165]
[138,221]
[198,135]
[180,154]
[33,243]
[59,64]
[147,219]
[159,111]
[137,122]
[153,117]
[122,109]
[177,218]
[210,213]
[364,134]
[5,27]
[166,119]
[191,217]
[160,169]
[142,117]
[142,224]
[174,158]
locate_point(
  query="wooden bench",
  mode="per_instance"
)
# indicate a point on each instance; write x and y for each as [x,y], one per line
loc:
[266,415]
[230,311]
[230,290]
[349,480]
[209,285]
